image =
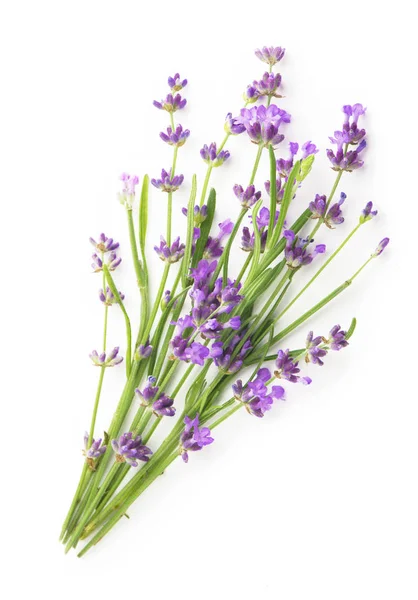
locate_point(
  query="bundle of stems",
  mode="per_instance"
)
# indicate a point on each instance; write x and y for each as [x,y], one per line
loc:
[193,373]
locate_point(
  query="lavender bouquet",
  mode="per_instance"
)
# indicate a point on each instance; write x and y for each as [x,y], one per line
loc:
[212,344]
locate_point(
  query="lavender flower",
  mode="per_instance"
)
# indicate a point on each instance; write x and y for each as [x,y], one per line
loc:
[163,407]
[382,245]
[351,133]
[248,239]
[148,393]
[101,360]
[222,354]
[367,213]
[104,244]
[232,125]
[212,157]
[279,189]
[166,299]
[176,83]
[337,338]
[175,138]
[129,449]
[268,85]
[193,438]
[334,214]
[262,124]
[288,369]
[255,397]
[343,160]
[349,161]
[113,262]
[296,251]
[127,196]
[171,103]
[247,198]
[314,353]
[203,271]
[106,296]
[196,353]
[199,214]
[167,183]
[95,450]
[318,207]
[214,247]
[270,55]
[170,254]
[285,165]
[212,328]
[143,351]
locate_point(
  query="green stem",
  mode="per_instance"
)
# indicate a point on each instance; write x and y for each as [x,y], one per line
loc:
[114,290]
[317,274]
[96,406]
[256,163]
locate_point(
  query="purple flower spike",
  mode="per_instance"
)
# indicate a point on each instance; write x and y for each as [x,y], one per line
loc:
[270,55]
[106,296]
[268,85]
[171,103]
[163,407]
[166,299]
[212,157]
[343,160]
[256,397]
[96,450]
[148,393]
[262,123]
[308,149]
[337,338]
[176,83]
[288,369]
[101,360]
[232,125]
[296,251]
[104,244]
[214,247]
[113,262]
[351,133]
[367,213]
[222,355]
[193,438]
[318,206]
[170,254]
[143,351]
[167,183]
[196,353]
[129,449]
[349,161]
[247,197]
[175,138]
[279,189]
[314,353]
[127,195]
[382,245]
[334,215]
[203,271]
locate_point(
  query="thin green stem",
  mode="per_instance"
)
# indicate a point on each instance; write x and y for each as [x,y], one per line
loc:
[256,163]
[244,268]
[317,274]
[96,406]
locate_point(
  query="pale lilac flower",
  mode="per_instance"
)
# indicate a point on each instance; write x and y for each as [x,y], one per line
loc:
[167,183]
[247,197]
[214,248]
[113,262]
[175,138]
[170,254]
[104,244]
[171,103]
[262,123]
[318,207]
[255,397]
[270,55]
[212,157]
[143,351]
[337,338]
[106,296]
[127,196]
[176,83]
[95,450]
[314,352]
[334,215]
[367,213]
[147,395]
[130,450]
[382,245]
[103,360]
[232,125]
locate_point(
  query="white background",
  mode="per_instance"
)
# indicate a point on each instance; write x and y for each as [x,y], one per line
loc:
[317,500]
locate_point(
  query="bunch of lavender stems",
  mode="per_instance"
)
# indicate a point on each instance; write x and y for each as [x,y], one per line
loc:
[219,348]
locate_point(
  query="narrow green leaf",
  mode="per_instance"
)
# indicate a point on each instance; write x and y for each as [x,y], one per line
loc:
[287,198]
[143,214]
[189,240]
[305,167]
[273,194]
[205,228]
[351,328]
[257,241]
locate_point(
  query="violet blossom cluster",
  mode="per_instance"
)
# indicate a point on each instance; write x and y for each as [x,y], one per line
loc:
[255,396]
[159,403]
[297,251]
[105,247]
[93,450]
[317,347]
[194,437]
[130,449]
[127,195]
[106,360]
[344,159]
[262,221]
[331,217]
[262,124]
[211,303]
